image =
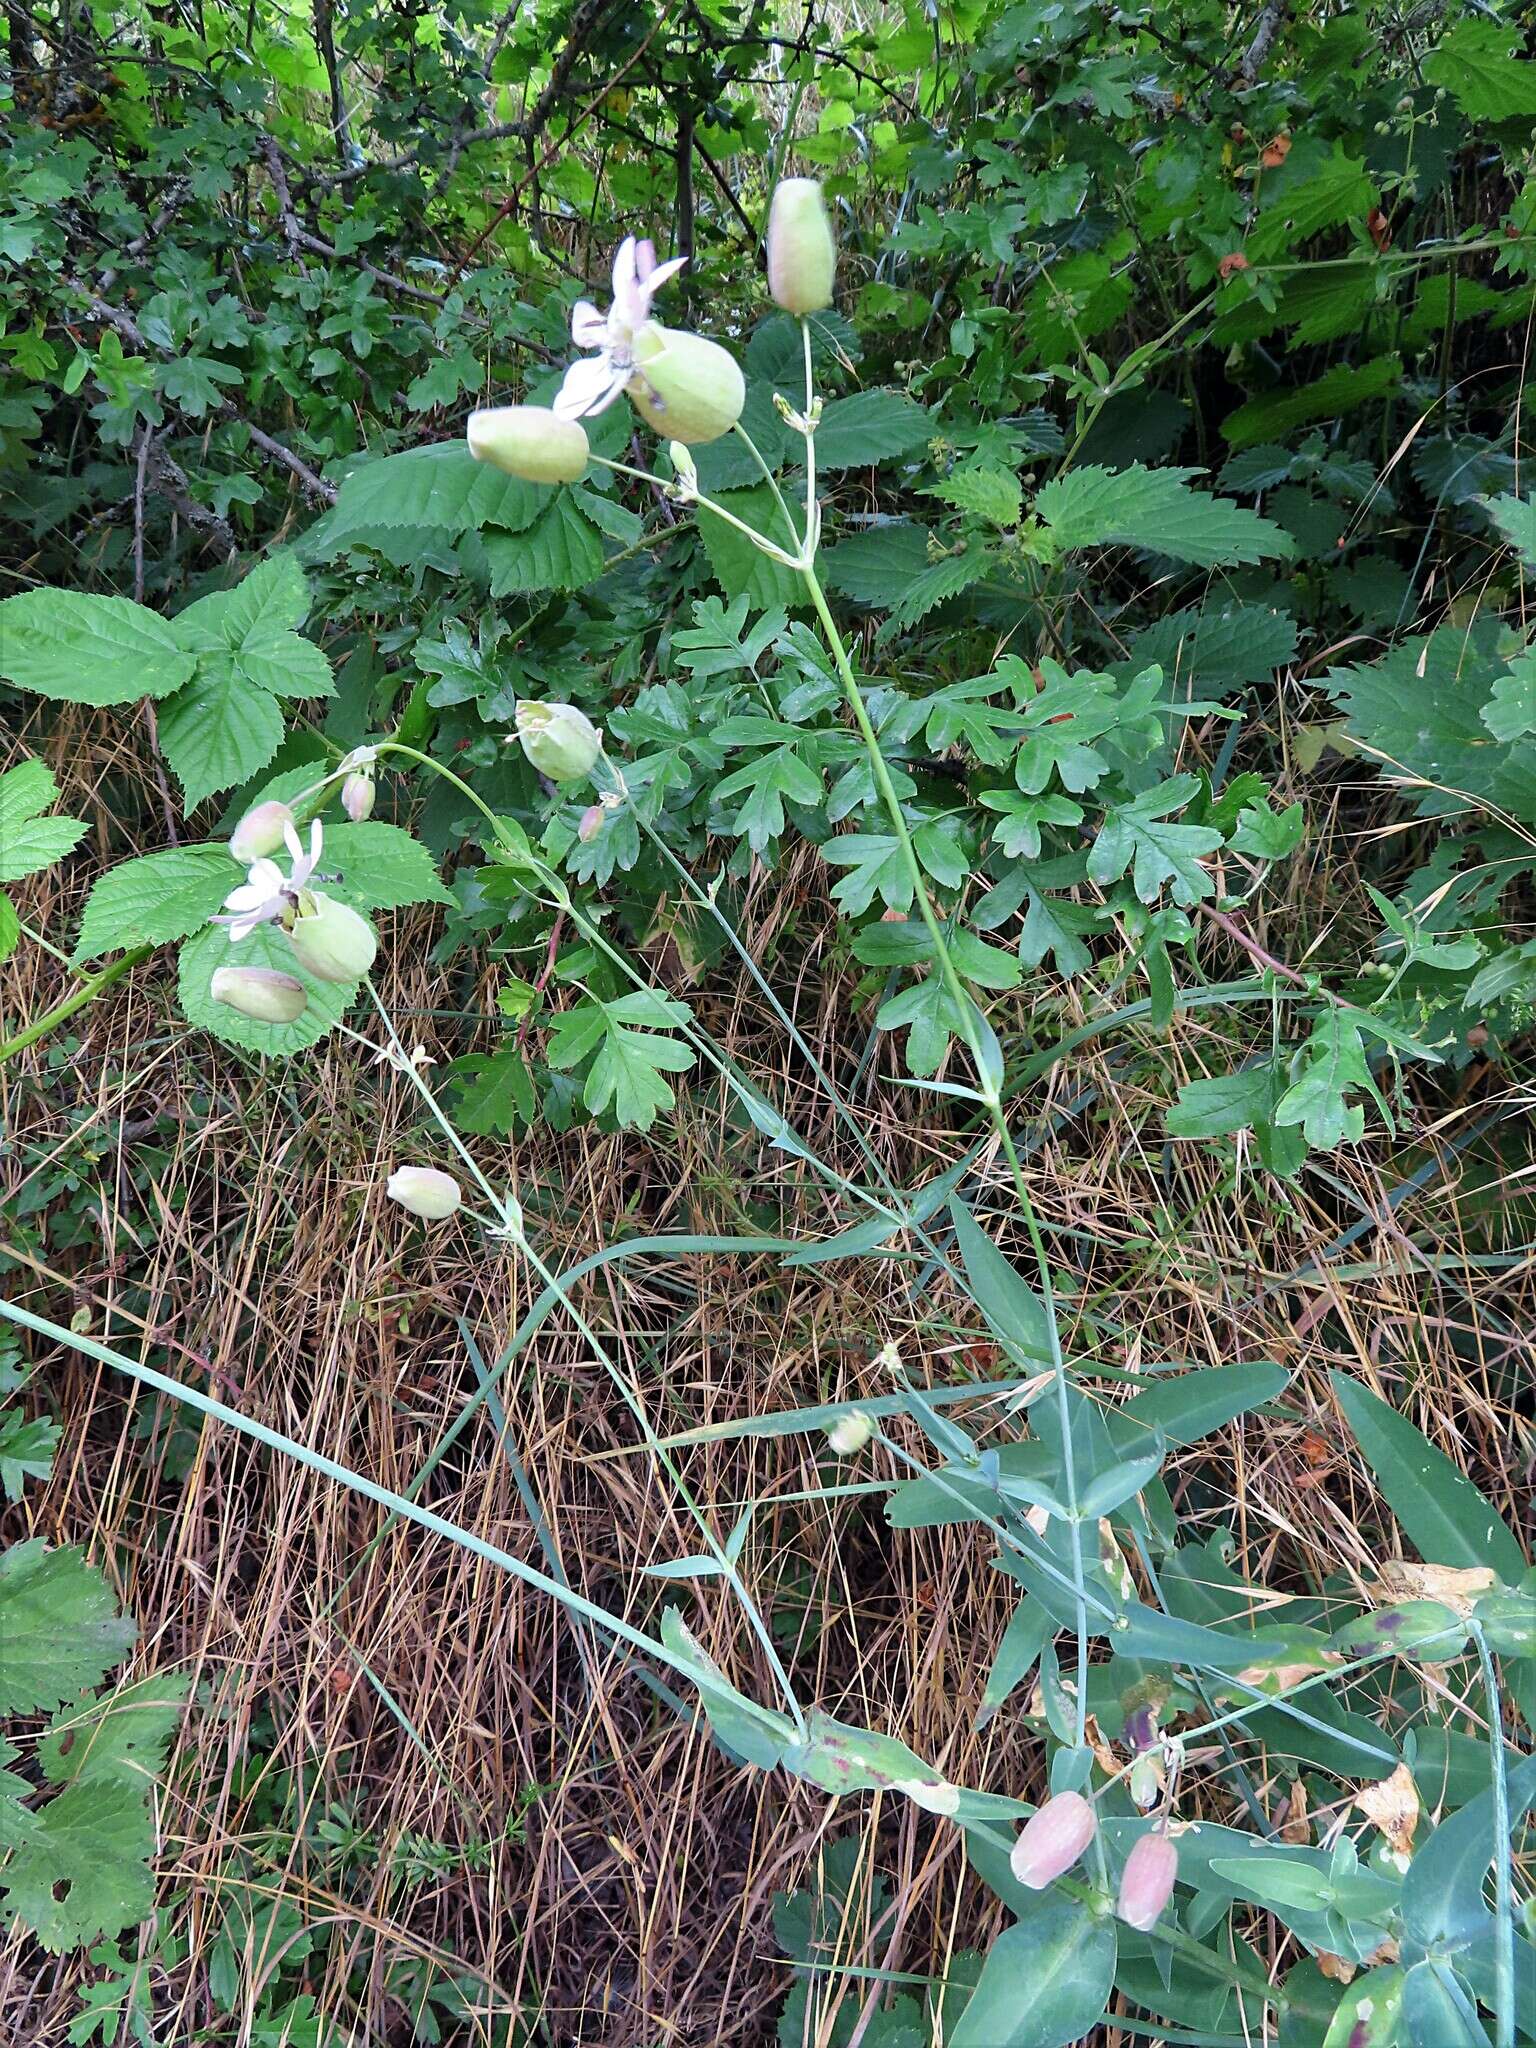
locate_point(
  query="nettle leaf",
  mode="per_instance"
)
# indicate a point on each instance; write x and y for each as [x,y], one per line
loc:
[1510,714]
[560,550]
[869,427]
[219,731]
[1155,509]
[79,649]
[1516,520]
[381,867]
[265,947]
[30,842]
[1277,412]
[993,494]
[939,581]
[60,1630]
[83,1871]
[1477,65]
[878,565]
[163,896]
[1142,836]
[742,569]
[441,489]
[625,1041]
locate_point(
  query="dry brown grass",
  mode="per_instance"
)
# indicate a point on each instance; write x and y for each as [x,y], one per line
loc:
[234,1222]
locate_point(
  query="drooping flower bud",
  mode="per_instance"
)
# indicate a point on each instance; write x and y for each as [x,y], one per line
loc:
[685,387]
[260,832]
[1146,1884]
[1052,1839]
[559,740]
[425,1191]
[357,796]
[851,1433]
[330,939]
[529,441]
[592,820]
[802,256]
[264,993]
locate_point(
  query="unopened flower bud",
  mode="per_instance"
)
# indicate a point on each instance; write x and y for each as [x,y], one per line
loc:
[330,939]
[1146,1884]
[592,821]
[265,993]
[851,1433]
[425,1191]
[529,441]
[684,468]
[685,387]
[1145,1782]
[260,832]
[357,797]
[802,256]
[1053,1838]
[559,740]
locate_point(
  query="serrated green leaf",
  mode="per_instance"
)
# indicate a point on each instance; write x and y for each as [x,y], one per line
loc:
[495,1092]
[123,1738]
[1510,714]
[1340,391]
[218,732]
[1516,520]
[993,494]
[560,550]
[381,867]
[83,1871]
[869,427]
[877,566]
[80,649]
[1477,65]
[160,897]
[265,947]
[627,1062]
[743,570]
[441,489]
[60,1630]
[1155,509]
[938,582]
[28,841]
[26,1449]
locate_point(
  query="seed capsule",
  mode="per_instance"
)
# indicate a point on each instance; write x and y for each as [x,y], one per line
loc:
[559,740]
[264,993]
[1146,1884]
[1052,1840]
[330,939]
[802,255]
[425,1191]
[529,441]
[687,388]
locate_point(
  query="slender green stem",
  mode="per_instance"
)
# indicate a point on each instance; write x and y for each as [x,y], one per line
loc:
[510,1221]
[769,478]
[989,1080]
[75,1000]
[1503,1884]
[316,1461]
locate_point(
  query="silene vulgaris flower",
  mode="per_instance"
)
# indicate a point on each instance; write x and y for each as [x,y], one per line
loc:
[267,893]
[593,384]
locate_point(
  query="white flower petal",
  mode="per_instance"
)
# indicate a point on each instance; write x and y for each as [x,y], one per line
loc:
[589,328]
[662,274]
[590,387]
